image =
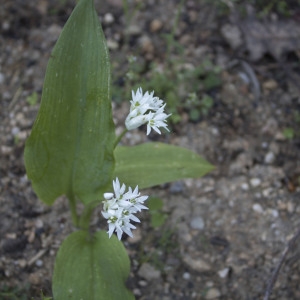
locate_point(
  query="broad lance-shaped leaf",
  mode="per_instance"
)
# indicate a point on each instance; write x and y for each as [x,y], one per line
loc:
[91,268]
[151,164]
[70,149]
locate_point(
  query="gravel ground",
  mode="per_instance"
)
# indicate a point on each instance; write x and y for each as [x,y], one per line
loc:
[224,233]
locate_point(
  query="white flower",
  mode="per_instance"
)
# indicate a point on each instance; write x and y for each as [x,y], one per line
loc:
[157,120]
[119,208]
[145,108]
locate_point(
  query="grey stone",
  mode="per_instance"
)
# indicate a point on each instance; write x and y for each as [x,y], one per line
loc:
[197,223]
[232,35]
[255,182]
[269,158]
[176,187]
[197,264]
[213,293]
[148,272]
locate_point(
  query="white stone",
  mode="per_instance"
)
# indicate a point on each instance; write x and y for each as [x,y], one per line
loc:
[269,158]
[274,213]
[15,131]
[112,45]
[186,276]
[224,273]
[245,186]
[148,272]
[197,223]
[197,264]
[39,263]
[255,182]
[109,18]
[257,208]
[267,192]
[213,293]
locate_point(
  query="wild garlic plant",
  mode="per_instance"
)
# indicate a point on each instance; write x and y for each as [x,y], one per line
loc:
[73,151]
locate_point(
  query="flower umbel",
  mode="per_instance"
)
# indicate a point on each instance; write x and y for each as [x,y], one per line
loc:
[119,209]
[145,108]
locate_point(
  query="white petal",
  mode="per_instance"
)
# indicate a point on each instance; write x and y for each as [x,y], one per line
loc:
[135,122]
[108,196]
[111,228]
[119,233]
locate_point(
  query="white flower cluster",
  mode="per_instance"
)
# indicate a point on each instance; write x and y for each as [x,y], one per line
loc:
[146,109]
[119,209]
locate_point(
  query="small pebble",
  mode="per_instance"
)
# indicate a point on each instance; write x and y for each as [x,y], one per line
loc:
[245,186]
[15,131]
[215,131]
[176,187]
[224,273]
[39,263]
[267,192]
[269,158]
[255,182]
[274,213]
[142,283]
[137,292]
[146,44]
[5,150]
[197,223]
[134,30]
[155,25]
[112,45]
[198,264]
[148,272]
[108,18]
[290,207]
[186,276]
[257,208]
[22,263]
[270,84]
[213,293]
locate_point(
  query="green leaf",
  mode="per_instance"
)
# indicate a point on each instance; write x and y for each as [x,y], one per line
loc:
[152,164]
[154,203]
[158,219]
[70,149]
[288,133]
[91,268]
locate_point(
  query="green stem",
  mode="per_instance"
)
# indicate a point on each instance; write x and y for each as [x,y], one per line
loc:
[118,139]
[85,217]
[72,203]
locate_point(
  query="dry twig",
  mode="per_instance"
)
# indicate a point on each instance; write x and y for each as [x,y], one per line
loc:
[278,267]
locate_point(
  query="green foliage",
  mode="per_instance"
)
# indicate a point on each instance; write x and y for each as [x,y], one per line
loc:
[44,297]
[91,267]
[288,133]
[297,116]
[162,246]
[152,164]
[70,149]
[32,99]
[14,293]
[198,107]
[263,7]
[158,217]
[176,81]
